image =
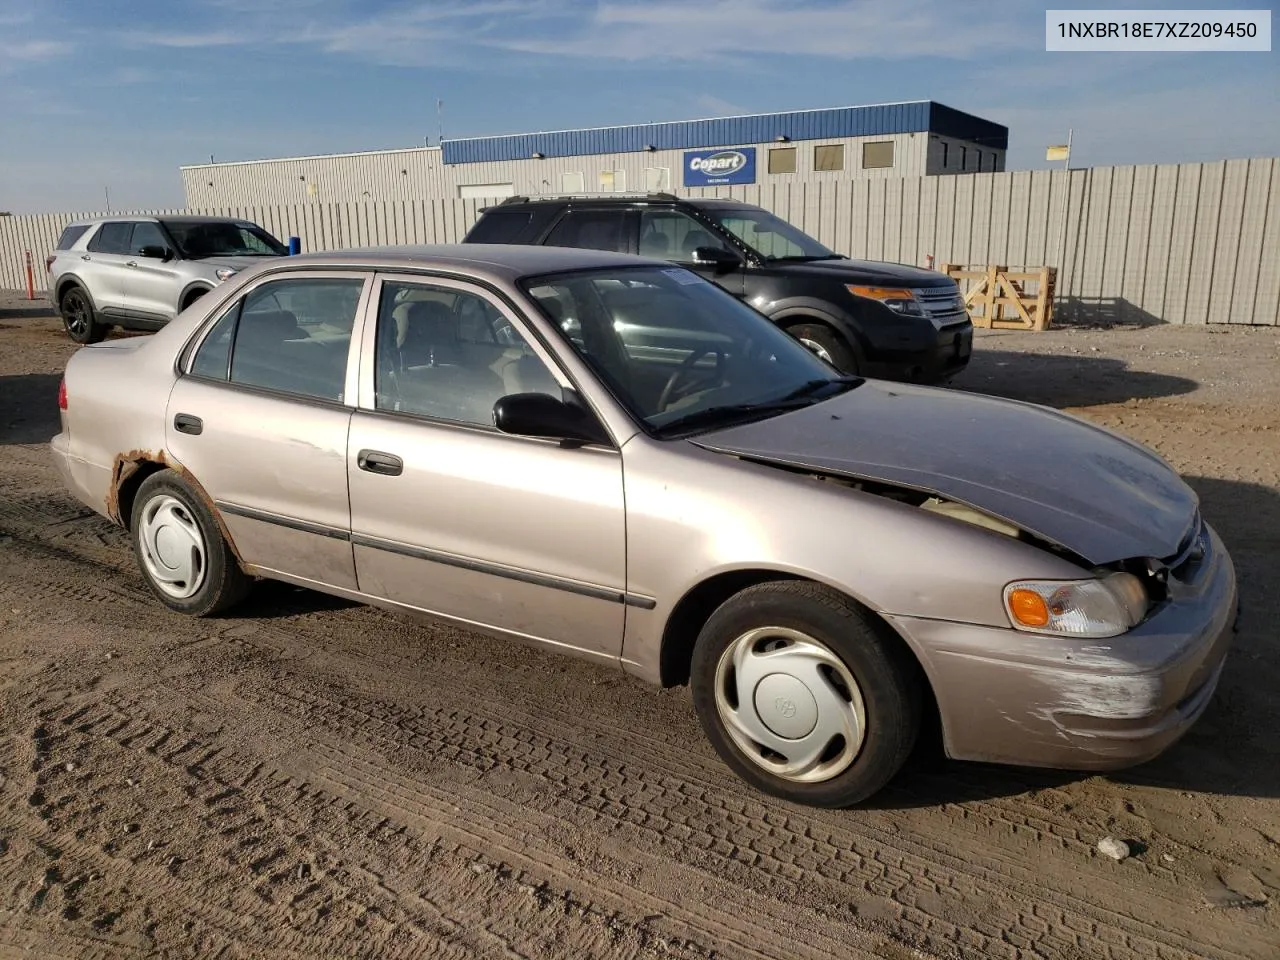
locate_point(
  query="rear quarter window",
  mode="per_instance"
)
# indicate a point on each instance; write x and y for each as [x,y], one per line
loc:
[70,235]
[500,226]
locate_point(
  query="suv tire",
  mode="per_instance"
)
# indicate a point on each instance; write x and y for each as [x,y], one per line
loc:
[79,318]
[827,344]
[833,699]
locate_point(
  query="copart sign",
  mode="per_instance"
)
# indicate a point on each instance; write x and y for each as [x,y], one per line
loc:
[711,168]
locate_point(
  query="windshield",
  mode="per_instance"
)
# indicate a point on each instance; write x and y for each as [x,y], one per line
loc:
[679,352]
[768,235]
[223,239]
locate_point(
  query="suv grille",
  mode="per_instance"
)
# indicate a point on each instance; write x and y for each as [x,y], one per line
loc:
[944,305]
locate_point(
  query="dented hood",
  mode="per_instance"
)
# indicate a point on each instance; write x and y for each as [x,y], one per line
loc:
[1067,481]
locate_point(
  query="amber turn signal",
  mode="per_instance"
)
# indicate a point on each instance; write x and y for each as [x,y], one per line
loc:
[1028,608]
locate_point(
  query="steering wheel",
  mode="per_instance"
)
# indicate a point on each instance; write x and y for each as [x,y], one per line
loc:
[685,369]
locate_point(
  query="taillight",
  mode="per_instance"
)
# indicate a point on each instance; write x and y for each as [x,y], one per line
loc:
[48,262]
[62,394]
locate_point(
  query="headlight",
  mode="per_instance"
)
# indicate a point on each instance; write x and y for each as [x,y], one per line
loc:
[898,299]
[226,273]
[1105,607]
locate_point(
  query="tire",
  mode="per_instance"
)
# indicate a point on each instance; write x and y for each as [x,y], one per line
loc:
[827,344]
[817,631]
[78,317]
[170,525]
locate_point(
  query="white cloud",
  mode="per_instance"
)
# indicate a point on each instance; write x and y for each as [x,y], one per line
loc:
[33,50]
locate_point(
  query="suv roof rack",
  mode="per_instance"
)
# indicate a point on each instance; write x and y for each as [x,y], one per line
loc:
[621,195]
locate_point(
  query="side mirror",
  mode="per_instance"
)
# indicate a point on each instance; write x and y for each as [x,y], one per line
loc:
[720,258]
[156,252]
[542,415]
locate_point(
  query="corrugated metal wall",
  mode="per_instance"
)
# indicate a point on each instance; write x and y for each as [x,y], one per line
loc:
[832,124]
[1189,243]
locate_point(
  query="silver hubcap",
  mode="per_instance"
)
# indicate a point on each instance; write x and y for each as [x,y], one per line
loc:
[172,547]
[817,348]
[790,704]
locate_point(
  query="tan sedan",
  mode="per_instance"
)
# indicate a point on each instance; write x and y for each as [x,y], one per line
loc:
[612,457]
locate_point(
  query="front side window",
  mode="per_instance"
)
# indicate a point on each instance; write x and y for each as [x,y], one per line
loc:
[672,235]
[591,230]
[292,336]
[146,234]
[769,235]
[450,354]
[222,238]
[112,238]
[677,350]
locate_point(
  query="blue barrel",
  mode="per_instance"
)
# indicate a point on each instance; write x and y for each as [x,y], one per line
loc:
[295,246]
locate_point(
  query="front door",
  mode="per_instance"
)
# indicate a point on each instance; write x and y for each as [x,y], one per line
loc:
[674,235]
[452,517]
[151,285]
[260,420]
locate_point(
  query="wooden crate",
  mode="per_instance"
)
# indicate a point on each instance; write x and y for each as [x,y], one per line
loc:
[997,297]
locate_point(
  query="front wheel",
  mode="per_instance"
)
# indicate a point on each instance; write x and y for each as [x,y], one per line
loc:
[827,344]
[79,319]
[181,551]
[804,694]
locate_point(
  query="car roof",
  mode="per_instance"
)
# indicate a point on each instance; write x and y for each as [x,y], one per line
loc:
[494,260]
[606,199]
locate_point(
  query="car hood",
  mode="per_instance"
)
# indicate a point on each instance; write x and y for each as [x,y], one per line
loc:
[233,263]
[866,271]
[1067,481]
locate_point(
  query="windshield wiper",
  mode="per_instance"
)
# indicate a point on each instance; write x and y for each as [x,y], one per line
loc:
[801,396]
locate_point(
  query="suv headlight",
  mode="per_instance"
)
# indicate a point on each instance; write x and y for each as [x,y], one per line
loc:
[1105,607]
[898,299]
[225,273]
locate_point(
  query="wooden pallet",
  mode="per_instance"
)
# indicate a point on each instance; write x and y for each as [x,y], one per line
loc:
[993,290]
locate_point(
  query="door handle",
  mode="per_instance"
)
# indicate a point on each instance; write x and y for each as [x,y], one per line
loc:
[85,256]
[132,263]
[373,461]
[186,423]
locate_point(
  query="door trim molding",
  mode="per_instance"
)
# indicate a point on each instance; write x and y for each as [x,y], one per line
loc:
[577,587]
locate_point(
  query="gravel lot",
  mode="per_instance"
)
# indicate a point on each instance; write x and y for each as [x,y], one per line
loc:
[308,778]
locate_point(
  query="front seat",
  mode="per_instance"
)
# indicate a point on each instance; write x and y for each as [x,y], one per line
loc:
[695,239]
[426,334]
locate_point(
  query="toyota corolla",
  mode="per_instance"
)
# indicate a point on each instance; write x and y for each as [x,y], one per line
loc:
[612,457]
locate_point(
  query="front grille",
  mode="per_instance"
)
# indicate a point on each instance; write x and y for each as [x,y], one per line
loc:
[944,305]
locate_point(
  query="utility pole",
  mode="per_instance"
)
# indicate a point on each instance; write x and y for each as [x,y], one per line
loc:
[106,193]
[440,121]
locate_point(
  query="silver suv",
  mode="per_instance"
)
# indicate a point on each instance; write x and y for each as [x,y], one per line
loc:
[139,273]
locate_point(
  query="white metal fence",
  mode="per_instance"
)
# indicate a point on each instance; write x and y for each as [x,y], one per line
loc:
[1185,243]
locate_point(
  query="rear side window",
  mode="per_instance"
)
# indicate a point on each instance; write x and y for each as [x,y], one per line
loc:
[70,235]
[500,226]
[591,230]
[112,238]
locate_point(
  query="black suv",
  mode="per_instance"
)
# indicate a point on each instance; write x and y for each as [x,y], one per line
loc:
[877,319]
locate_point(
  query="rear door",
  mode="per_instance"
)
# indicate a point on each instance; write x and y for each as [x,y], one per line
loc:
[260,420]
[102,265]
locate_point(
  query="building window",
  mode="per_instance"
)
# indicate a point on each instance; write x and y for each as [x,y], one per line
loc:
[657,179]
[613,181]
[828,156]
[782,160]
[946,151]
[964,158]
[877,154]
[977,157]
[573,182]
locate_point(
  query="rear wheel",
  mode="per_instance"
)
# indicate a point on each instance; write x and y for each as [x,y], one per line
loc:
[804,694]
[78,317]
[827,344]
[180,548]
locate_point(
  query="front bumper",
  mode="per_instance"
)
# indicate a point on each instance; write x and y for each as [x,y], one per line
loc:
[1010,697]
[941,357]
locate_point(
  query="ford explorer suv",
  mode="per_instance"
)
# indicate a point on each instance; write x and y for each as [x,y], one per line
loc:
[871,318]
[138,273]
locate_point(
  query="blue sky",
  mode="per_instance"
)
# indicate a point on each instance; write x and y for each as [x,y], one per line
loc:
[118,94]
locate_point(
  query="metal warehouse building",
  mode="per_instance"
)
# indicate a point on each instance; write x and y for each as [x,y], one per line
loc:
[919,138]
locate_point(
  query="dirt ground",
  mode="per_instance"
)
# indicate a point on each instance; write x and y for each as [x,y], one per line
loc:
[310,779]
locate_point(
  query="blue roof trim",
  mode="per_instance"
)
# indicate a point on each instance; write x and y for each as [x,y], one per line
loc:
[923,116]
